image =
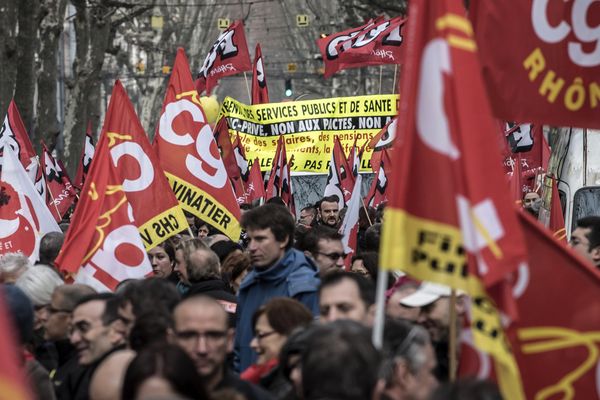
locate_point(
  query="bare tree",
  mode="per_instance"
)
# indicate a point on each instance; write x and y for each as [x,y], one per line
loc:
[8,52]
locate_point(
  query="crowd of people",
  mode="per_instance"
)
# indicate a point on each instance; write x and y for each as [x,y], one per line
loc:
[273,316]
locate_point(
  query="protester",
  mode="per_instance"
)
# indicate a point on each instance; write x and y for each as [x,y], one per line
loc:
[203,229]
[278,271]
[366,264]
[307,215]
[273,323]
[585,239]
[532,203]
[202,330]
[325,247]
[373,237]
[394,307]
[20,310]
[50,246]
[162,259]
[468,389]
[107,381]
[38,283]
[328,212]
[345,295]
[163,371]
[95,334]
[151,328]
[12,266]
[339,363]
[234,269]
[434,301]
[409,362]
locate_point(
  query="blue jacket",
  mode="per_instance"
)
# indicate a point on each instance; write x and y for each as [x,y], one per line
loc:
[294,276]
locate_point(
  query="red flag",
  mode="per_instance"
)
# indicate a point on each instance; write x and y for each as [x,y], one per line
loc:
[540,60]
[340,180]
[221,133]
[375,43]
[516,180]
[385,137]
[260,92]
[87,153]
[61,194]
[556,339]
[557,219]
[103,245]
[280,183]
[449,217]
[377,192]
[190,156]
[227,56]
[138,167]
[254,187]
[240,158]
[13,382]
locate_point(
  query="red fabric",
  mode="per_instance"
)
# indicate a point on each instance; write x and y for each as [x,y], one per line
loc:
[87,153]
[14,133]
[190,156]
[349,226]
[221,133]
[384,138]
[539,59]
[240,158]
[378,190]
[280,182]
[444,145]
[13,382]
[60,192]
[377,42]
[255,372]
[557,296]
[228,56]
[255,188]
[260,92]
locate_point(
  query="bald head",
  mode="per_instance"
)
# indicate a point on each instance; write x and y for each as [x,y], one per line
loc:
[70,295]
[201,305]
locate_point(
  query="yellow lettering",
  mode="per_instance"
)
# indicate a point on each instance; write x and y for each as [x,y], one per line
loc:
[551,86]
[535,63]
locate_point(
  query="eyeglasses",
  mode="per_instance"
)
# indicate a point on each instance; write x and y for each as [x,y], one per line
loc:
[261,336]
[333,256]
[211,337]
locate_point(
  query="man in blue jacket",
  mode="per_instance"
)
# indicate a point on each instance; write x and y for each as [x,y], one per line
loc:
[278,270]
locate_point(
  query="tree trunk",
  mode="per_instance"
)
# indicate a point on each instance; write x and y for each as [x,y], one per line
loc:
[93,30]
[51,27]
[27,46]
[8,53]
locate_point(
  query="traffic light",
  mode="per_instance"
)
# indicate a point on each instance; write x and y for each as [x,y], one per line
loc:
[288,88]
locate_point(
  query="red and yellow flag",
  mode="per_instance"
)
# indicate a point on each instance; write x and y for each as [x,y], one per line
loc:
[449,218]
[190,157]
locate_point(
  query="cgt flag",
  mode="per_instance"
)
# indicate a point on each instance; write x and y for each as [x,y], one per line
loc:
[541,60]
[260,92]
[556,341]
[340,180]
[139,170]
[227,56]
[375,43]
[60,192]
[377,192]
[221,134]
[87,153]
[280,182]
[448,195]
[190,156]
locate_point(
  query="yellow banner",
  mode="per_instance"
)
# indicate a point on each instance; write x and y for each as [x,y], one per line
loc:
[162,227]
[205,207]
[432,251]
[309,127]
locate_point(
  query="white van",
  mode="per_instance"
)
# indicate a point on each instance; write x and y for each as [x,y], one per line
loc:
[575,161]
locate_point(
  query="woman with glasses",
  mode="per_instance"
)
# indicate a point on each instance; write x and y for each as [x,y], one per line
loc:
[273,323]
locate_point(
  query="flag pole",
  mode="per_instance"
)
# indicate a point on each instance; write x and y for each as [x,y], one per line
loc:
[395,73]
[452,345]
[366,211]
[378,325]
[380,76]
[52,198]
[247,88]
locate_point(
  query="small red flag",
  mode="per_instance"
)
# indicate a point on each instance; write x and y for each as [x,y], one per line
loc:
[255,188]
[377,192]
[60,192]
[87,153]
[280,183]
[260,92]
[228,56]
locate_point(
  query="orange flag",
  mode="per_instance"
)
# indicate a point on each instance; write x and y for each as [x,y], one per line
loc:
[190,157]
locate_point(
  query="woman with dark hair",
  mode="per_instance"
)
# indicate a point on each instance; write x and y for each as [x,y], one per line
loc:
[162,259]
[273,323]
[163,371]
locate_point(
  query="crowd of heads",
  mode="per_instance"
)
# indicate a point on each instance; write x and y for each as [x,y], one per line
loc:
[283,313]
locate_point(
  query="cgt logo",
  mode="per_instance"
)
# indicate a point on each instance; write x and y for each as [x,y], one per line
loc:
[364,36]
[551,32]
[224,46]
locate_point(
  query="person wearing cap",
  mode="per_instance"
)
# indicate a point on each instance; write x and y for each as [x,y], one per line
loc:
[434,300]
